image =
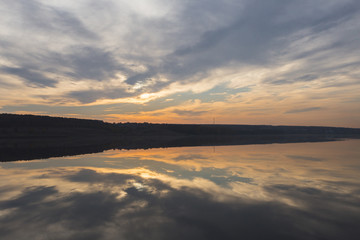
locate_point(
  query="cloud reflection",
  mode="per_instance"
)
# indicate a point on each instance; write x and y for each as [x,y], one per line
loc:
[160,211]
[237,192]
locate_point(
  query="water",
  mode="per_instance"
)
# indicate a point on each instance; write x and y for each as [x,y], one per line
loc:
[274,191]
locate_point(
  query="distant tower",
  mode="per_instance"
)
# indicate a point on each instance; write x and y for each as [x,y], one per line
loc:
[213,120]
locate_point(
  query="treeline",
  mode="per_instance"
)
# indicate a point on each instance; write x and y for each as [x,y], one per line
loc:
[15,125]
[19,120]
[26,137]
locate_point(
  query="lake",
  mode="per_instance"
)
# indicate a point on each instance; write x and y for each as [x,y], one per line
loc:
[268,191]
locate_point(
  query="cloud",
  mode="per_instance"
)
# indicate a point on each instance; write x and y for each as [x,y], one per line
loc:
[31,77]
[258,36]
[30,196]
[301,110]
[91,176]
[306,158]
[185,157]
[89,96]
[304,78]
[188,112]
[42,18]
[91,63]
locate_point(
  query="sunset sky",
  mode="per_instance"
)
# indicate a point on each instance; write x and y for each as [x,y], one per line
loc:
[279,62]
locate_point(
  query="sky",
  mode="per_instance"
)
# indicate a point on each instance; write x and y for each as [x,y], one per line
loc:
[278,62]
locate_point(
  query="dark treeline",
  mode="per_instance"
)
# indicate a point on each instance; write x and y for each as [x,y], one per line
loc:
[13,125]
[27,137]
[19,120]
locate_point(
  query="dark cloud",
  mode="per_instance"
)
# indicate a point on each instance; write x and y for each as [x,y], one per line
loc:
[141,77]
[301,110]
[256,36]
[306,158]
[88,96]
[259,37]
[189,157]
[188,112]
[30,196]
[42,18]
[91,176]
[322,205]
[303,78]
[245,39]
[92,63]
[30,77]
[342,84]
[77,62]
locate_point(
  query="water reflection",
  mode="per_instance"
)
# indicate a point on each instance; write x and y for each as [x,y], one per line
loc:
[279,191]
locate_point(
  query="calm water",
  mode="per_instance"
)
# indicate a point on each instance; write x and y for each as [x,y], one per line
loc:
[275,191]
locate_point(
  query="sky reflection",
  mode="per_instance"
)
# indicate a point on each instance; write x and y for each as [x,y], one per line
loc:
[277,191]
